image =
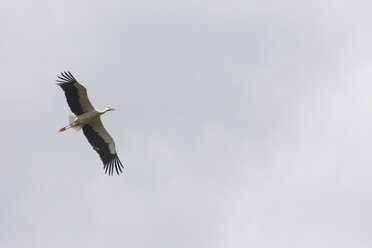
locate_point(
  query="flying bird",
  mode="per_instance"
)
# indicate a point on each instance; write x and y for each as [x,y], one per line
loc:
[88,118]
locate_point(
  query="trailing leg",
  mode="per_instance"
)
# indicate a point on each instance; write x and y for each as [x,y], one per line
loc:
[64,128]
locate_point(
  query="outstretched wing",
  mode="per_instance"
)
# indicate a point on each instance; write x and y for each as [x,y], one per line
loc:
[104,145]
[76,94]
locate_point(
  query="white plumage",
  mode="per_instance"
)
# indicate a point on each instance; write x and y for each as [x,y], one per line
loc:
[88,118]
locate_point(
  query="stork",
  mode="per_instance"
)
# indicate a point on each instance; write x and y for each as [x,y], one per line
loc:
[88,118]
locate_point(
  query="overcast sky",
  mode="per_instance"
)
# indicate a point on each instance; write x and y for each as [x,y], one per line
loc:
[239,123]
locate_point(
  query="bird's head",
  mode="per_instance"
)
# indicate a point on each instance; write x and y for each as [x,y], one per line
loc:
[109,109]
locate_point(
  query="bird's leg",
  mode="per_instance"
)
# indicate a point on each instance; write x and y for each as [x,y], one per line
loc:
[75,123]
[64,128]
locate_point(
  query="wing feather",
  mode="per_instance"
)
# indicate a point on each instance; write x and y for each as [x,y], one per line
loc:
[104,145]
[76,94]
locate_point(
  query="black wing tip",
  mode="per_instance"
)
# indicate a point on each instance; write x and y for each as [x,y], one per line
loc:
[65,78]
[113,164]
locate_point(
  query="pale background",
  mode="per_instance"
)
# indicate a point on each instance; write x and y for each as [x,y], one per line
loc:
[240,124]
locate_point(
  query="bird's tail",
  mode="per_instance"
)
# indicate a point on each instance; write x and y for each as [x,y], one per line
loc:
[71,119]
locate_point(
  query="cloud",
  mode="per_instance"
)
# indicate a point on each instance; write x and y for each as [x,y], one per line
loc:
[239,124]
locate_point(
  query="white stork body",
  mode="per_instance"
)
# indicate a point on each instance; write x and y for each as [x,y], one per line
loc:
[77,122]
[88,118]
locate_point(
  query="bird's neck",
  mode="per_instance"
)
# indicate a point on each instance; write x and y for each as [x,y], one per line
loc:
[103,111]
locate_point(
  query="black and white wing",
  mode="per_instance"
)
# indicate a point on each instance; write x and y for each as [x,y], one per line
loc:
[76,94]
[104,144]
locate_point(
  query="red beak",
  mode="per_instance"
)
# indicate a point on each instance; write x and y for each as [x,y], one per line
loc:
[111,109]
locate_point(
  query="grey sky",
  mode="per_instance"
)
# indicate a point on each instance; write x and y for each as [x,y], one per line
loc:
[239,124]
